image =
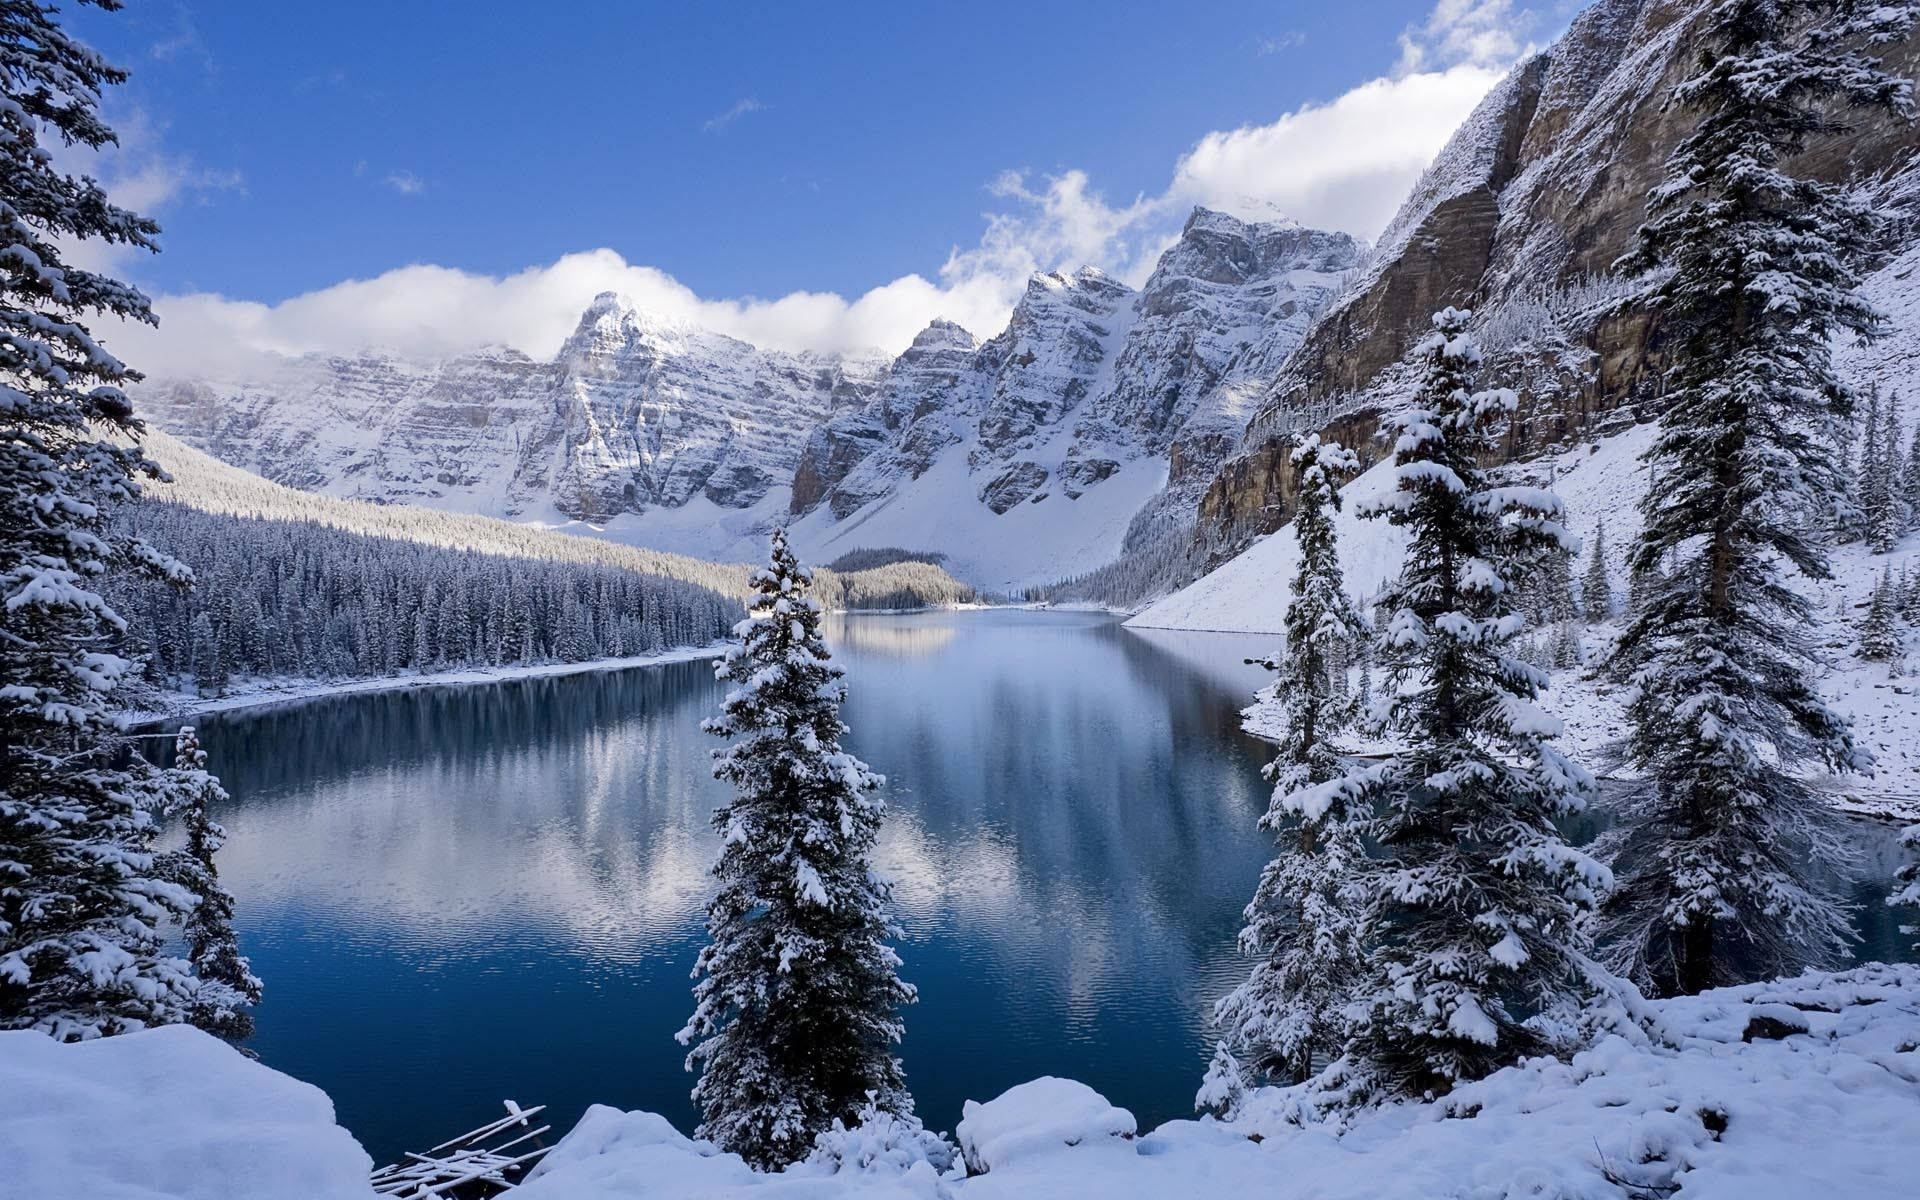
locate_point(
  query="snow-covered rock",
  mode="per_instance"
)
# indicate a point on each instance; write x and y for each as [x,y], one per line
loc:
[170,1112]
[1040,1117]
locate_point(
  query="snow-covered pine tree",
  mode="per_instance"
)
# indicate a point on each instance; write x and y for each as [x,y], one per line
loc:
[1899,510]
[1889,517]
[1302,925]
[1596,590]
[81,947]
[796,1008]
[226,985]
[1879,630]
[1871,479]
[1910,480]
[1566,647]
[1755,279]
[1475,918]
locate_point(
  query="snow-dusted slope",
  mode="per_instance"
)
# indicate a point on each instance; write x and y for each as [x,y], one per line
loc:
[1248,593]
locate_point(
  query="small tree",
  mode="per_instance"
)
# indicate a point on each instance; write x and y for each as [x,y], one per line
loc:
[1872,482]
[1302,926]
[1879,629]
[795,1012]
[226,985]
[1894,513]
[1596,590]
[1475,918]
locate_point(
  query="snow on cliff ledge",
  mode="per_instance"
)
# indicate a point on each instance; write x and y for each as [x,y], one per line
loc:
[1824,1100]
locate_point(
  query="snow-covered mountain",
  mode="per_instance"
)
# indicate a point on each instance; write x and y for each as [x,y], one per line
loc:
[1087,424]
[634,413]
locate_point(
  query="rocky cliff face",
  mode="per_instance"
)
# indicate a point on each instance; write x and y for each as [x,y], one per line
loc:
[1090,376]
[1520,218]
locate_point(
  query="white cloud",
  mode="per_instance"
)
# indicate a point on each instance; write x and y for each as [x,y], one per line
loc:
[741,107]
[1479,33]
[1279,42]
[406,183]
[429,311]
[1344,164]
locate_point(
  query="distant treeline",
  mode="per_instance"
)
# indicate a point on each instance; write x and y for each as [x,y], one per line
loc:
[280,597]
[883,556]
[291,597]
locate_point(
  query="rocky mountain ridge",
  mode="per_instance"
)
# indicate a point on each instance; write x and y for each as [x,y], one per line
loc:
[687,440]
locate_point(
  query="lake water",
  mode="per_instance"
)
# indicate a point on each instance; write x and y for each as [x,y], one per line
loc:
[460,895]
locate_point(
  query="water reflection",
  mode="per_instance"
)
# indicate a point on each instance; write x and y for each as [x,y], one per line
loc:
[462,894]
[465,894]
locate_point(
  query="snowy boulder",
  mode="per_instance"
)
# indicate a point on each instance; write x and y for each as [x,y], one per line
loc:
[614,1153]
[1774,1021]
[165,1113]
[1035,1118]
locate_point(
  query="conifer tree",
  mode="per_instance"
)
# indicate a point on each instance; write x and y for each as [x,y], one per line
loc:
[1475,917]
[1871,480]
[1890,517]
[796,1011]
[1303,923]
[1596,590]
[226,985]
[81,910]
[1879,633]
[1756,270]
[1910,480]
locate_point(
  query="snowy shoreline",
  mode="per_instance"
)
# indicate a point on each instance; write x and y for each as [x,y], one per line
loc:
[261,693]
[1765,1091]
[264,693]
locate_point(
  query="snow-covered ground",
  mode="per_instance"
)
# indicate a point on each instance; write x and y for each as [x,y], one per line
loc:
[1824,1100]
[1031,543]
[254,693]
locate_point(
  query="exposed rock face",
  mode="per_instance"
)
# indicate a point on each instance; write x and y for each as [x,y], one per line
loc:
[1526,208]
[1017,484]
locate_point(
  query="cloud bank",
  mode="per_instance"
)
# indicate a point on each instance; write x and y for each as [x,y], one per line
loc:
[1344,164]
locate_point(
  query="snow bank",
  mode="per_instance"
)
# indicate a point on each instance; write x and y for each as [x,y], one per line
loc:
[1720,1095]
[259,693]
[1031,1119]
[169,1112]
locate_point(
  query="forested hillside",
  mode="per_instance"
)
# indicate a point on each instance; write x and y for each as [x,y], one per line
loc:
[290,583]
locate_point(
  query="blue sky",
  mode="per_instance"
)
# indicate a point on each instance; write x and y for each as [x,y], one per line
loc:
[746,150]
